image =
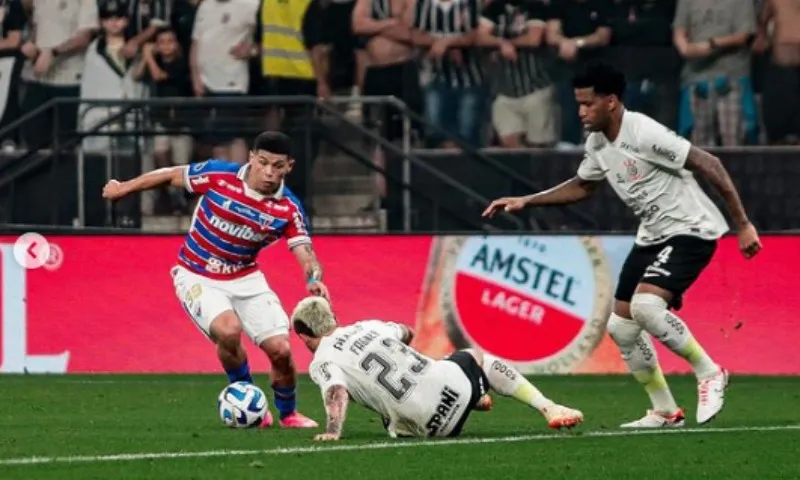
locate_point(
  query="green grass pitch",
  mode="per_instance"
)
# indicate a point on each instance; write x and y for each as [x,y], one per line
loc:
[148,427]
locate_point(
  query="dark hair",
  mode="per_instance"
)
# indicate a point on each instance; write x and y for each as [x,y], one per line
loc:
[273,142]
[602,77]
[164,29]
[301,328]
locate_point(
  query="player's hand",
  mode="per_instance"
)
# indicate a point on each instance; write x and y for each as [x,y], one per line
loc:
[319,289]
[114,190]
[326,437]
[749,243]
[507,204]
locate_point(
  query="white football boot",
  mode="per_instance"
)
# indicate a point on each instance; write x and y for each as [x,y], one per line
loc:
[711,396]
[559,416]
[655,419]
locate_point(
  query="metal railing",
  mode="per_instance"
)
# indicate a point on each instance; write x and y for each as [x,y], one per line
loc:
[120,111]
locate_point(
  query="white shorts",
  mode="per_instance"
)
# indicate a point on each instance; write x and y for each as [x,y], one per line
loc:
[259,309]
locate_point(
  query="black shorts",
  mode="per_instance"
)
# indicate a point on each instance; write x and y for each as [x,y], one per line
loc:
[477,378]
[673,265]
[400,80]
[225,123]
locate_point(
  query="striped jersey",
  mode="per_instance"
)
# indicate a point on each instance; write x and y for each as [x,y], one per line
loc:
[511,19]
[446,18]
[232,222]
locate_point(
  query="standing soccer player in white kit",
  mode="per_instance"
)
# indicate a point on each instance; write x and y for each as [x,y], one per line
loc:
[650,168]
[371,362]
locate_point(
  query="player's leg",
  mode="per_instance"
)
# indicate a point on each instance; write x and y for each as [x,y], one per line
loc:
[267,324]
[675,268]
[509,382]
[636,346]
[212,312]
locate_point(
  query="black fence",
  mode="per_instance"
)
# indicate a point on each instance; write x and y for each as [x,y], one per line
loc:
[766,177]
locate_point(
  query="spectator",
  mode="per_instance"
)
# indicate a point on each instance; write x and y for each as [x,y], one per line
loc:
[716,94]
[221,48]
[167,69]
[12,23]
[61,32]
[642,47]
[107,74]
[781,98]
[452,77]
[145,17]
[393,71]
[295,45]
[580,31]
[182,21]
[524,112]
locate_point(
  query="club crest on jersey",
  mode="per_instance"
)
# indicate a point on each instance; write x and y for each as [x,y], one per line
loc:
[541,303]
[632,168]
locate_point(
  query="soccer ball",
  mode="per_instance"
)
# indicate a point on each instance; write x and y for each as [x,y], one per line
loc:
[242,405]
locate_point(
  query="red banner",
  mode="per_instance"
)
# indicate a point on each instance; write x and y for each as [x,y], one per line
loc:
[538,301]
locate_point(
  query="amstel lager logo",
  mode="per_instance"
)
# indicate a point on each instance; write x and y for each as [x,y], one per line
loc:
[541,302]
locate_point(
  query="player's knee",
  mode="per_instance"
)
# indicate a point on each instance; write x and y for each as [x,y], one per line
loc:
[279,351]
[647,307]
[623,331]
[227,331]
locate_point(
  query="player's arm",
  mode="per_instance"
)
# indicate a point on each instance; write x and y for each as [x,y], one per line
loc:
[336,399]
[307,258]
[195,178]
[332,383]
[174,176]
[711,168]
[572,191]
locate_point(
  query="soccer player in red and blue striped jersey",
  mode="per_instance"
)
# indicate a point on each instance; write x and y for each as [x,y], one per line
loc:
[242,209]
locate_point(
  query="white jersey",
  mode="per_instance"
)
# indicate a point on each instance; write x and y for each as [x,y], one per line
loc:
[415,395]
[645,167]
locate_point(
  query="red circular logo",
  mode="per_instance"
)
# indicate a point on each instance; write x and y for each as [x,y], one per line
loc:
[538,301]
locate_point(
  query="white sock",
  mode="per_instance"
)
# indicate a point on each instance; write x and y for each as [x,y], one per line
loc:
[507,381]
[639,355]
[650,311]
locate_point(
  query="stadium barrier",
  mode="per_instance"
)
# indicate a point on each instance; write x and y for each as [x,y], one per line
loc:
[105,304]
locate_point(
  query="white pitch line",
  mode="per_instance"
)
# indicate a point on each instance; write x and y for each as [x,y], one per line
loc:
[126,457]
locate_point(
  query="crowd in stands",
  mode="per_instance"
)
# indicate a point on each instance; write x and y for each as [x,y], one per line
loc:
[493,72]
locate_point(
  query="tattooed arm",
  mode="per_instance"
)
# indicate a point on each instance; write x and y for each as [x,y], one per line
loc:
[336,400]
[304,253]
[710,167]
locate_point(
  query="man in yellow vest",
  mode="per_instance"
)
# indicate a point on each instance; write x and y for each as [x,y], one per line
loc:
[294,61]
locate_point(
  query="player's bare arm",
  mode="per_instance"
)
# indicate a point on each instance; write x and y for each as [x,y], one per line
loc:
[336,400]
[572,191]
[115,189]
[311,269]
[712,169]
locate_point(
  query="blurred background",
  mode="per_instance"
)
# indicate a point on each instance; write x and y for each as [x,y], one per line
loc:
[407,115]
